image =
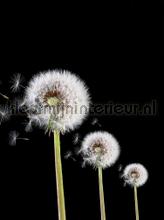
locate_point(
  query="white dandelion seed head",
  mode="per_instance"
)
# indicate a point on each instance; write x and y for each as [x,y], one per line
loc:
[13,135]
[59,98]
[100,149]
[135,174]
[16,81]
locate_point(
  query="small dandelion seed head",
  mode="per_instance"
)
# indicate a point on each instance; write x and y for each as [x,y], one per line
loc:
[100,149]
[16,81]
[135,174]
[60,99]
[13,135]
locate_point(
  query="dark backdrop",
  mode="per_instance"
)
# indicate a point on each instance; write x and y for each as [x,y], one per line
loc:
[115,49]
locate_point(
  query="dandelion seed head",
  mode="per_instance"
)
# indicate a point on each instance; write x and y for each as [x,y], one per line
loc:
[100,149]
[16,81]
[61,99]
[135,174]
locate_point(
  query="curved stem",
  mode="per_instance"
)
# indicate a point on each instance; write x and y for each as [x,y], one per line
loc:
[136,202]
[59,177]
[101,193]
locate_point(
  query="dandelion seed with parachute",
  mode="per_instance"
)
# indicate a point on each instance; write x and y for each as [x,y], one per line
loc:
[135,175]
[16,82]
[76,138]
[14,136]
[95,121]
[3,95]
[69,155]
[57,98]
[4,114]
[100,150]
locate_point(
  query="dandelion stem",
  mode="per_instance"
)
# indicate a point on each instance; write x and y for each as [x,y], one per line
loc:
[59,177]
[101,192]
[136,202]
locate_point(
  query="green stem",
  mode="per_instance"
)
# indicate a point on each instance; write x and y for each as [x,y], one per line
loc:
[101,194]
[136,202]
[59,177]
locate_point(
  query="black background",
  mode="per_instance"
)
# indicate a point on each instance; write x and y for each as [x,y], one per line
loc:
[117,49]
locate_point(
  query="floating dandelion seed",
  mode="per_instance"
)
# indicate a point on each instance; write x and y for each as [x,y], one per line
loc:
[1,94]
[4,96]
[14,136]
[135,175]
[76,138]
[4,114]
[19,106]
[16,82]
[120,167]
[101,150]
[69,155]
[58,101]
[28,126]
[95,122]
[33,120]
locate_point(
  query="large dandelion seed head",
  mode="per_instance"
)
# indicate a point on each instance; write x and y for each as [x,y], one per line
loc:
[135,174]
[59,100]
[100,149]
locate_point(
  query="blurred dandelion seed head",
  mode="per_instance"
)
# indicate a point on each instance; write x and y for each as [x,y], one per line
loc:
[100,149]
[135,174]
[60,99]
